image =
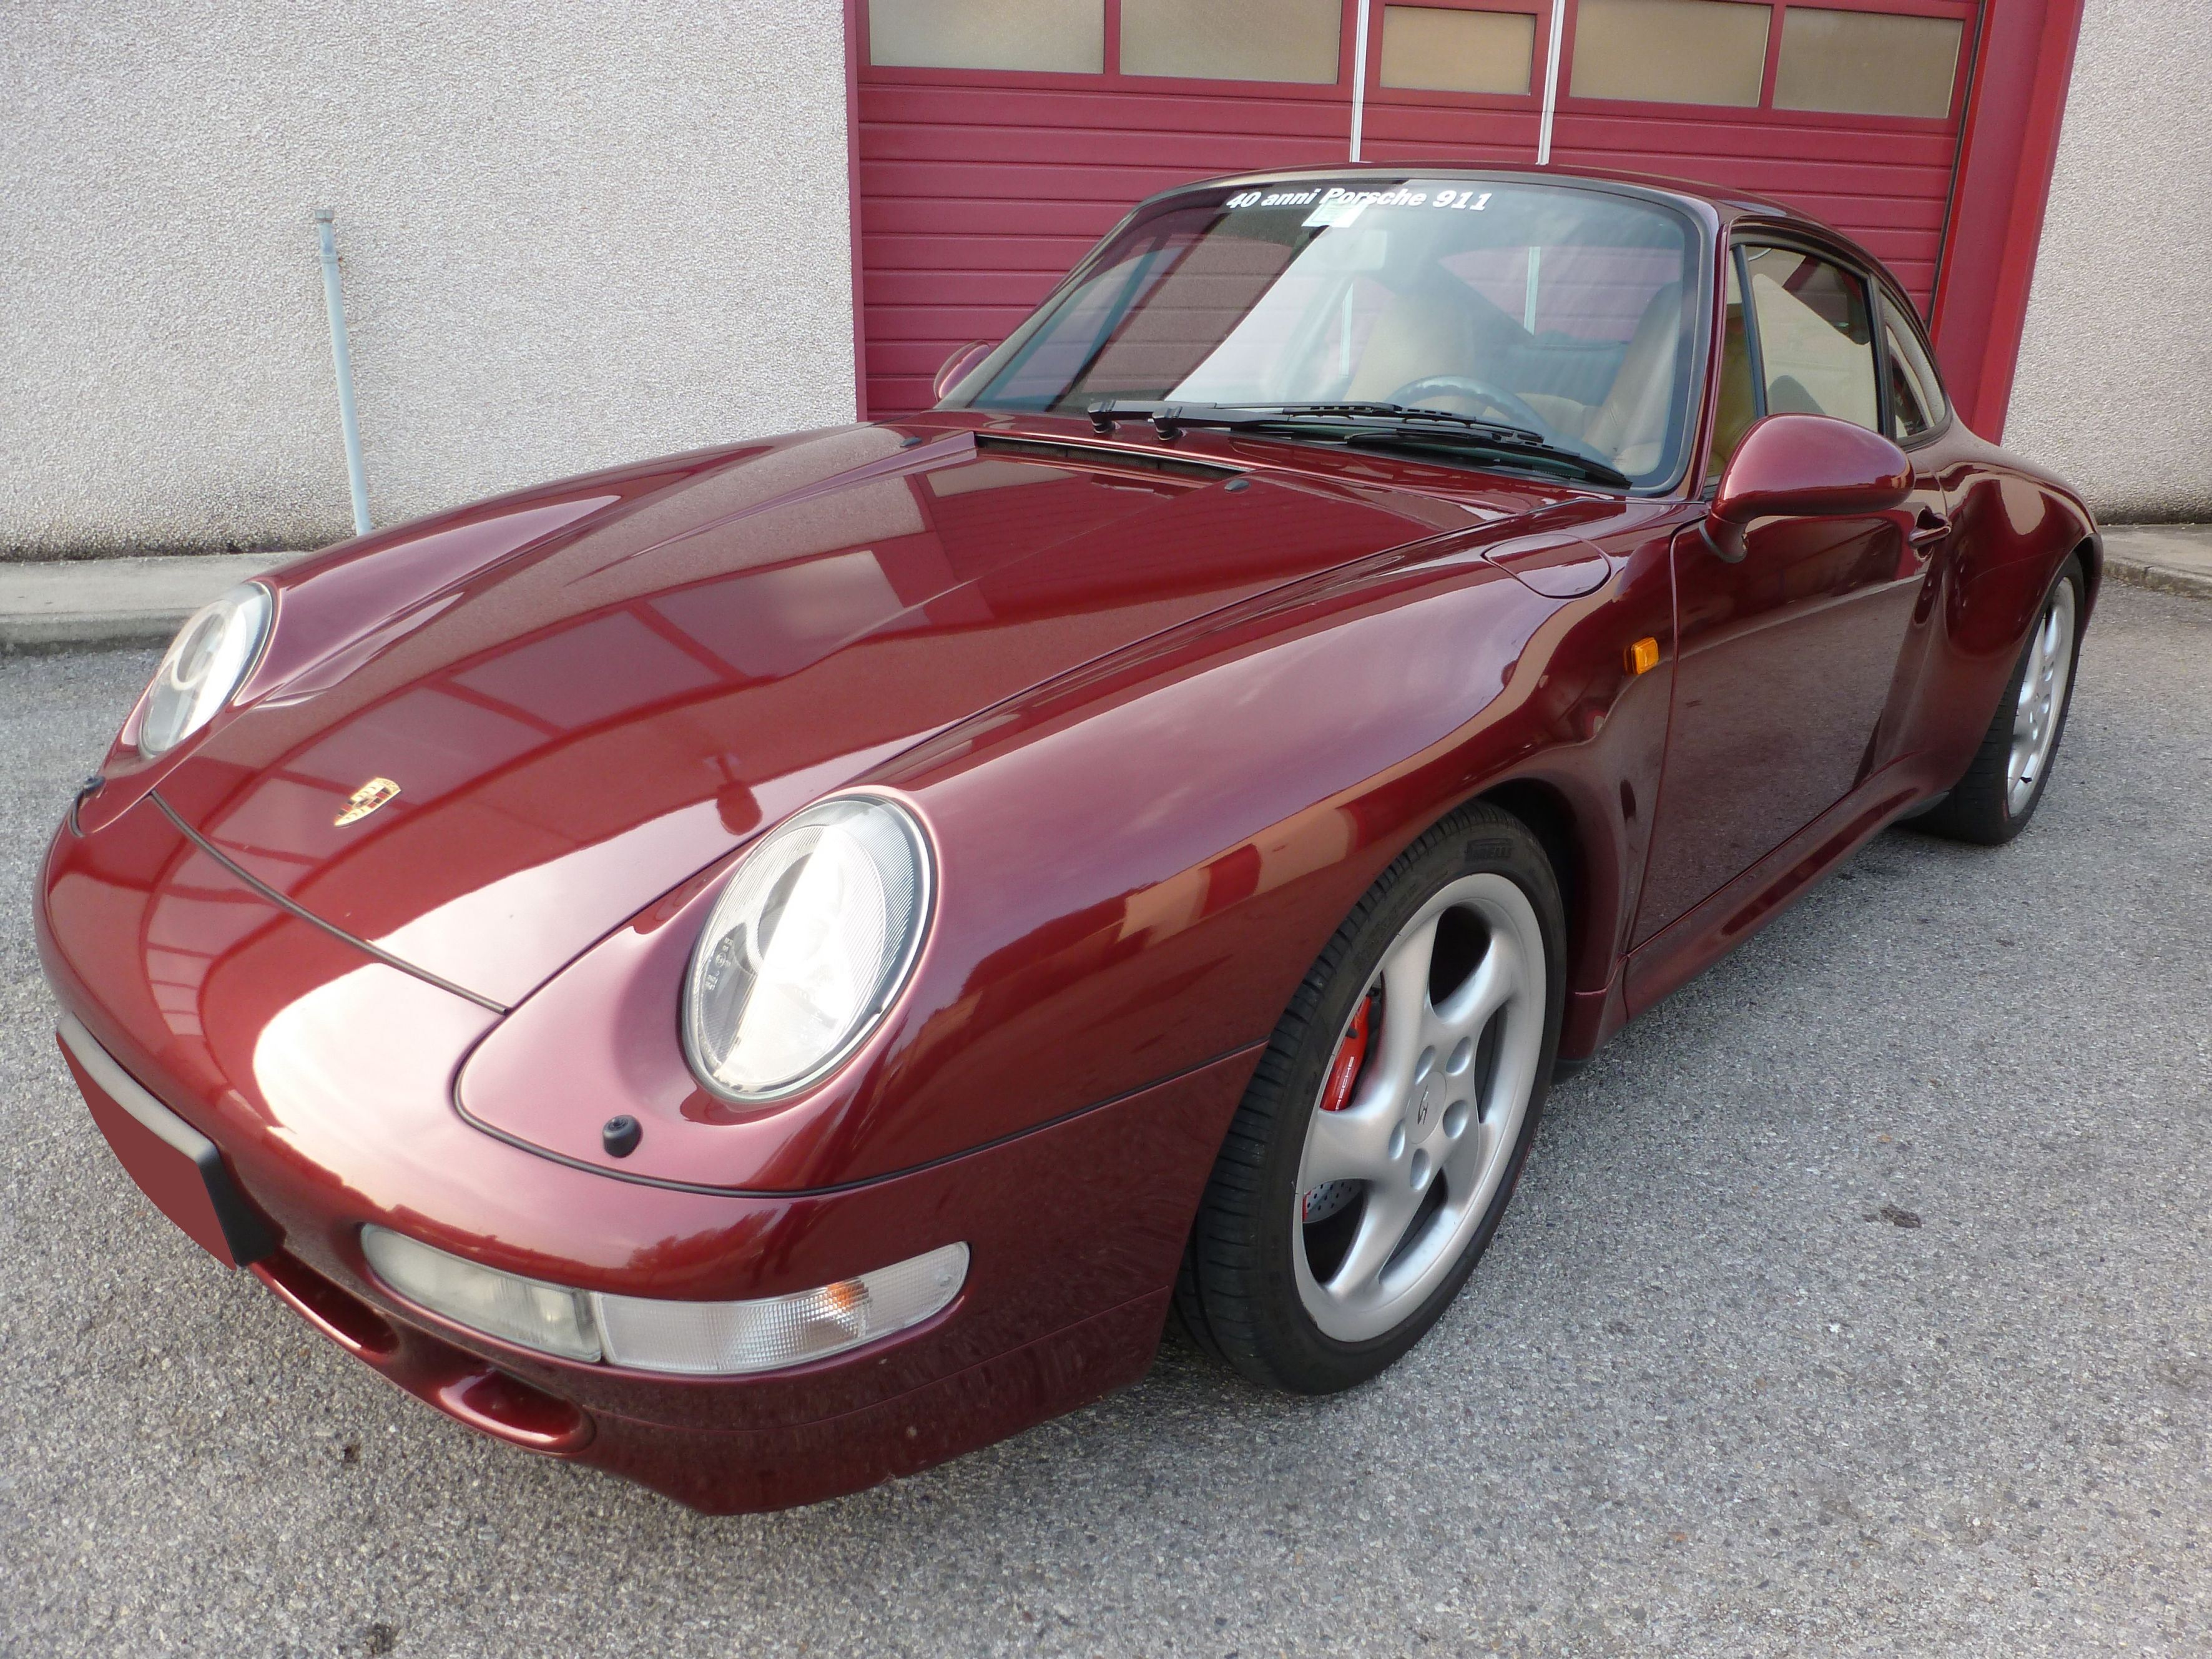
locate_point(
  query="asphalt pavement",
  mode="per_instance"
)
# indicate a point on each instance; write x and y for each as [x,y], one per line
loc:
[1854,1303]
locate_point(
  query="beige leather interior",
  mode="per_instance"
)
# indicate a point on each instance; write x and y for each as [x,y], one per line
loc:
[1631,424]
[1565,414]
[1420,335]
[1417,335]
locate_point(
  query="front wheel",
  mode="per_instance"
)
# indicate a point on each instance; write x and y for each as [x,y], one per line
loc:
[1994,800]
[1387,1124]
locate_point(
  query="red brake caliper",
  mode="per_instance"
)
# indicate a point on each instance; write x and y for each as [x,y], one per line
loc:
[1344,1070]
[1351,1055]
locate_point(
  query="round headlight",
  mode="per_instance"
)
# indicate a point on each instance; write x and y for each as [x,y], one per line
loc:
[808,946]
[203,667]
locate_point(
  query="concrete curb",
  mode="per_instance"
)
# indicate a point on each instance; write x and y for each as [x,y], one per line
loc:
[2172,558]
[87,603]
[89,630]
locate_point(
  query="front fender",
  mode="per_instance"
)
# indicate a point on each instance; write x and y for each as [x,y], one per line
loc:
[1136,864]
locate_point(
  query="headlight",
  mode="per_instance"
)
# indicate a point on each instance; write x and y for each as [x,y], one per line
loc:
[693,1339]
[203,667]
[808,946]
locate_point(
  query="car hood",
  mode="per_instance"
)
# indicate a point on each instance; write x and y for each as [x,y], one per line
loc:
[586,695]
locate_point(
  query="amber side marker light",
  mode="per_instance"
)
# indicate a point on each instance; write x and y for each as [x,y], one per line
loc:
[1643,656]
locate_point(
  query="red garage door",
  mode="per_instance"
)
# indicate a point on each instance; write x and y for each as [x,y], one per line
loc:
[996,139]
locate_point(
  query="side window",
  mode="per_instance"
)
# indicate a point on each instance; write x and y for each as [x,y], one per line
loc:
[1739,402]
[1916,396]
[1815,339]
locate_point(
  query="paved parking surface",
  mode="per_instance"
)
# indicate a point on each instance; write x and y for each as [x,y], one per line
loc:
[1856,1303]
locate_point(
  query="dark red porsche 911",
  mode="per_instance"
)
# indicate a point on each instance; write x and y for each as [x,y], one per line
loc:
[765,969]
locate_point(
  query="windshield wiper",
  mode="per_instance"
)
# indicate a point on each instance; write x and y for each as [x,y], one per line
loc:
[1366,423]
[1168,419]
[1537,453]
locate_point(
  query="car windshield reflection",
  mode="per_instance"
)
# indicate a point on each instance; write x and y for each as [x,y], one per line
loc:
[1566,313]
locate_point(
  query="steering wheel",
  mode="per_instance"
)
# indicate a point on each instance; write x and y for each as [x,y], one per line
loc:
[1466,385]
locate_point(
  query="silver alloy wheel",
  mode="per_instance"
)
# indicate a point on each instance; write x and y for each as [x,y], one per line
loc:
[1439,1101]
[2042,698]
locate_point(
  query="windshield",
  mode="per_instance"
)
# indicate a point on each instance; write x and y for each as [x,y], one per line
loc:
[1567,312]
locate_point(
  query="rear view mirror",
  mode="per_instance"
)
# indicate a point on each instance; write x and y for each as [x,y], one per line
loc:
[1804,466]
[1347,249]
[954,368]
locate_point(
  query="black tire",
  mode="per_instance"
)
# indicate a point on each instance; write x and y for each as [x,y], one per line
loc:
[1979,808]
[1237,1294]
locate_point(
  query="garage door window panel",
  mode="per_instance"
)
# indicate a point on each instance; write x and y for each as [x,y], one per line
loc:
[1671,52]
[1293,41]
[1815,338]
[1066,37]
[1867,63]
[1458,49]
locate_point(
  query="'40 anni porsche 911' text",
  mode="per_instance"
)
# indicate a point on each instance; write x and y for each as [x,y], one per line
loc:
[764,969]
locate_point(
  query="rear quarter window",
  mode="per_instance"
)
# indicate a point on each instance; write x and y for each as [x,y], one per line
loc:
[1916,406]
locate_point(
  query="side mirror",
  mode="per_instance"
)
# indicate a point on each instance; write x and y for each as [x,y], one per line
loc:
[954,368]
[1804,466]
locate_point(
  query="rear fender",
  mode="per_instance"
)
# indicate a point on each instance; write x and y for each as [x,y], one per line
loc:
[2011,531]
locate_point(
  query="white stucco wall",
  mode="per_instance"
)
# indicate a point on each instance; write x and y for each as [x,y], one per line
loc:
[577,235]
[2115,383]
[570,235]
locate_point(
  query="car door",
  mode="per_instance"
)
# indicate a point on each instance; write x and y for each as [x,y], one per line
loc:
[1916,417]
[1785,658]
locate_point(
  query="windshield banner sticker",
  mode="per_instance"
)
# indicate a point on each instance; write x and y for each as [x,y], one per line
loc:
[1337,206]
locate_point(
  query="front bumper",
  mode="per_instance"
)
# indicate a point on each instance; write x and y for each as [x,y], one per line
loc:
[324,1078]
[727,1471]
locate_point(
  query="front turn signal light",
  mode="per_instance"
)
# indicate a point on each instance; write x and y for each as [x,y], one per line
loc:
[728,1338]
[694,1339]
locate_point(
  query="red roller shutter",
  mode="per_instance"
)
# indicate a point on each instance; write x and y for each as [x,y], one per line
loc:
[979,189]
[1884,180]
[976,189]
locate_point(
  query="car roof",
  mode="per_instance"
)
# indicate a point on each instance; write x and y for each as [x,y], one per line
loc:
[1724,205]
[1723,208]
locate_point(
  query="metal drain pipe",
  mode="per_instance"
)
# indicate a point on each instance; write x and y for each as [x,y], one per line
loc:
[342,361]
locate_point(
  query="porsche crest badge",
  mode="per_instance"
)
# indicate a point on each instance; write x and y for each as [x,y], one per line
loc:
[365,801]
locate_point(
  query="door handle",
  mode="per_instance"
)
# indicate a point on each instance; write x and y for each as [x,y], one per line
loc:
[1929,528]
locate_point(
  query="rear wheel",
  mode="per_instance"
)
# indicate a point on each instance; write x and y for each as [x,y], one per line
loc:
[1384,1132]
[1994,800]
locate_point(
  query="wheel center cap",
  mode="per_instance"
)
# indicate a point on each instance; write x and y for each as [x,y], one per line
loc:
[1427,1113]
